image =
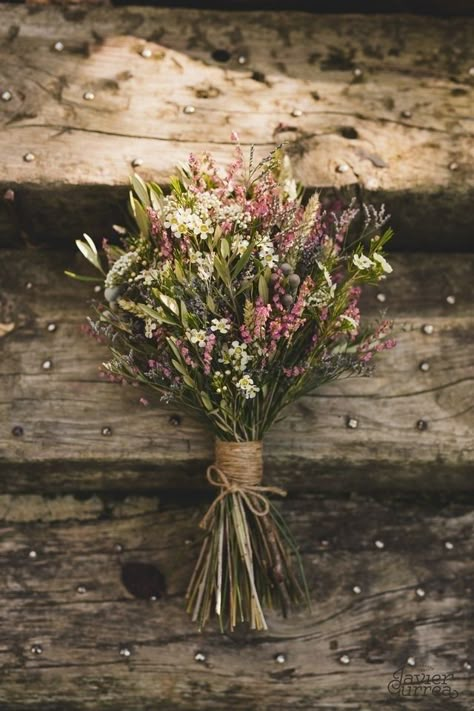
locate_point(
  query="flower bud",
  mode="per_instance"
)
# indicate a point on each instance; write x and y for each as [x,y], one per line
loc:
[274,277]
[294,281]
[111,293]
[286,269]
[287,300]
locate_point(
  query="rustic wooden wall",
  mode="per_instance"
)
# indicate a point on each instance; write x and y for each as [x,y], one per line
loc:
[388,100]
[62,410]
[100,497]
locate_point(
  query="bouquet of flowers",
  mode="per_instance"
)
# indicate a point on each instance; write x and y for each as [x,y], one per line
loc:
[232,299]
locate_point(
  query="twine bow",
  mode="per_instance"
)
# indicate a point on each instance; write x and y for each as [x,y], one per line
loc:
[247,491]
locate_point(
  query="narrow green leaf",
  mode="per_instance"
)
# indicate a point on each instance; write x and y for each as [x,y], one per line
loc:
[170,303]
[89,253]
[178,270]
[141,218]
[263,289]
[140,189]
[211,305]
[179,367]
[222,270]
[225,249]
[79,277]
[174,348]
[152,313]
[242,261]
[90,242]
[184,313]
[206,400]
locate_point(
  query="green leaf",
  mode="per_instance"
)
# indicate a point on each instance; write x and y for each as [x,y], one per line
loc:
[178,270]
[222,270]
[173,347]
[225,249]
[179,367]
[242,261]
[206,400]
[89,251]
[140,189]
[141,218]
[170,303]
[152,313]
[176,186]
[79,277]
[211,305]
[184,313]
[263,289]
[217,235]
[156,195]
[189,381]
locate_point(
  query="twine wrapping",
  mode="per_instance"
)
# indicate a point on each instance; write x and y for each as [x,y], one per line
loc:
[238,469]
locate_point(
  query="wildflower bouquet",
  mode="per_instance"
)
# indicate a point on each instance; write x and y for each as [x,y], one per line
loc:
[232,299]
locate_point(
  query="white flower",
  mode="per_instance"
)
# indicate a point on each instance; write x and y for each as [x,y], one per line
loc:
[150,326]
[220,324]
[248,387]
[383,262]
[267,255]
[270,260]
[239,244]
[237,355]
[195,335]
[362,262]
[148,276]
[237,349]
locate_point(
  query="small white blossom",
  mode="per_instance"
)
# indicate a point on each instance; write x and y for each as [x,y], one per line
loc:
[121,269]
[383,262]
[195,335]
[248,387]
[150,326]
[222,325]
[239,244]
[362,262]
[267,254]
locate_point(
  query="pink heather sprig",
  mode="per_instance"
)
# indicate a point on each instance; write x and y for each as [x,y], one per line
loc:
[207,354]
[376,342]
[184,350]
[295,371]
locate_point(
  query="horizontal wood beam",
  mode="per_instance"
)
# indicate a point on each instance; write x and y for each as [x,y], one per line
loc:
[62,592]
[52,434]
[379,106]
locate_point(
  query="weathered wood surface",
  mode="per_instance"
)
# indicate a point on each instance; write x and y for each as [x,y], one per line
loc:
[81,632]
[388,97]
[63,410]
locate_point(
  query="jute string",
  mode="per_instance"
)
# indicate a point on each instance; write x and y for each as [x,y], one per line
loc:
[238,469]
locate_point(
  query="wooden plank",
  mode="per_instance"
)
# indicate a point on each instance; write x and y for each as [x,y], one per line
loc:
[63,410]
[70,600]
[388,97]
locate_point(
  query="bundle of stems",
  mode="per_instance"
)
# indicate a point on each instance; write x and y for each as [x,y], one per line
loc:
[245,565]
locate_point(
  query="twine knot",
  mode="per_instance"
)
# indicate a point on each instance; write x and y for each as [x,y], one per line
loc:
[238,469]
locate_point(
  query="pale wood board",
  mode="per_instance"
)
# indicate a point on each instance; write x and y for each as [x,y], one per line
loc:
[399,126]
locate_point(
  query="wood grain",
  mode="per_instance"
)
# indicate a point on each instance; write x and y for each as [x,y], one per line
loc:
[81,633]
[62,411]
[388,97]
